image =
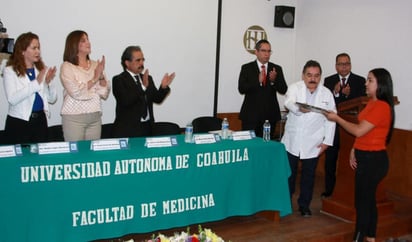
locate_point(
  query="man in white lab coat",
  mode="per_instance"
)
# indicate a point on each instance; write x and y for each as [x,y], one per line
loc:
[307,132]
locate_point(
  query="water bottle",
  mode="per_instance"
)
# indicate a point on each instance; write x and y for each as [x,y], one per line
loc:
[266,131]
[189,133]
[225,129]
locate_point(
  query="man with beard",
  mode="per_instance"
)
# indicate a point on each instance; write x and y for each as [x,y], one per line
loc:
[135,93]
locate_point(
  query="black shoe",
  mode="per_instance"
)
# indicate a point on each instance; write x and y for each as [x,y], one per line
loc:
[325,194]
[305,212]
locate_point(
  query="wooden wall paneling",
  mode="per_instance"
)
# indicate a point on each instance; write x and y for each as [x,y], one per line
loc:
[399,178]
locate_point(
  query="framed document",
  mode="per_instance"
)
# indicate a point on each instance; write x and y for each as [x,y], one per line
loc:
[311,108]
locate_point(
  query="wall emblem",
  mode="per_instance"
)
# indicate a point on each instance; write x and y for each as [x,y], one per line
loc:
[252,35]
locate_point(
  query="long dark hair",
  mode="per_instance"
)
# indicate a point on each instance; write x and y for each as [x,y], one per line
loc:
[384,92]
[71,48]
[16,59]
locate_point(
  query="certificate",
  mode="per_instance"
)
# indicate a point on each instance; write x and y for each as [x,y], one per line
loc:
[311,108]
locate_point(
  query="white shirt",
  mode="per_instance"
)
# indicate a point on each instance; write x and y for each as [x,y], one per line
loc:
[304,132]
[139,80]
[77,98]
[260,66]
[21,92]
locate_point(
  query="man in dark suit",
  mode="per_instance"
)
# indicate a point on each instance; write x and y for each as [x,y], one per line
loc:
[344,86]
[135,93]
[259,81]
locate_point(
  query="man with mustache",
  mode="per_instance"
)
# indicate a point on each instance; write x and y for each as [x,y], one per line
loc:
[135,93]
[307,132]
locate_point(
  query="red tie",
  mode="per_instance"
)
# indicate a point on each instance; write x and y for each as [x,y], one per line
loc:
[263,75]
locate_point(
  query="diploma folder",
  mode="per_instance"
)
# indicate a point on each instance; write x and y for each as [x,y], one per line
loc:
[311,108]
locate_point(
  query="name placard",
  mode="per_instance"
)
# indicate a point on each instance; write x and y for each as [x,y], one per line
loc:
[10,151]
[109,144]
[206,138]
[243,135]
[160,142]
[57,147]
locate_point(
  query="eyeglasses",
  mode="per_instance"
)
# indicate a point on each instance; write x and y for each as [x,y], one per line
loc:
[266,51]
[343,64]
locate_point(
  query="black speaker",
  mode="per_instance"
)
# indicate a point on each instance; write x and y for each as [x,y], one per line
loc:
[284,16]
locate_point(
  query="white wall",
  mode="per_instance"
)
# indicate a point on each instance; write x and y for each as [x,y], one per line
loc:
[376,33]
[177,36]
[238,16]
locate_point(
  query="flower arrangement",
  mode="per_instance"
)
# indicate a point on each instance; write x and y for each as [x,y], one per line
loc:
[204,235]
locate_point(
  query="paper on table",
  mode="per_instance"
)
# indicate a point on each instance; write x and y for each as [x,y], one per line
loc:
[243,135]
[158,142]
[109,144]
[219,132]
[205,138]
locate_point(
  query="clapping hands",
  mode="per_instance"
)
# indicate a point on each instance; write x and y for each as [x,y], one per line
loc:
[47,74]
[167,79]
[99,71]
[272,75]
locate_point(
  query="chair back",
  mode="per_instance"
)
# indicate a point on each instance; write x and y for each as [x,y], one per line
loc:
[206,123]
[165,128]
[107,131]
[3,139]
[55,133]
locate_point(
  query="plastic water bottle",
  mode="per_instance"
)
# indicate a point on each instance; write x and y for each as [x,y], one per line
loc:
[266,131]
[189,133]
[225,129]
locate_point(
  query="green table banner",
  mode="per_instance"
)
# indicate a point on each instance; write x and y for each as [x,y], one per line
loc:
[91,195]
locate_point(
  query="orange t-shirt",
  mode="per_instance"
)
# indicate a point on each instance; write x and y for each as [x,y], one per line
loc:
[377,113]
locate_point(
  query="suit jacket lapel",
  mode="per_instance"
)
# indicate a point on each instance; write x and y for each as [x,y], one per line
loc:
[135,84]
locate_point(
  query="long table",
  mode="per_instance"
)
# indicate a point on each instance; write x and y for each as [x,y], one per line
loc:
[90,194]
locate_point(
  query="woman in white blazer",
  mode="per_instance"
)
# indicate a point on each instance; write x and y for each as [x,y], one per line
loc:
[307,132]
[28,89]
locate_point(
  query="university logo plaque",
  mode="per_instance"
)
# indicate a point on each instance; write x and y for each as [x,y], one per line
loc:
[252,35]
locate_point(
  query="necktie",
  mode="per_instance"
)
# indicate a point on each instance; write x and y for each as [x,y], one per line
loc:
[139,84]
[343,84]
[263,72]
